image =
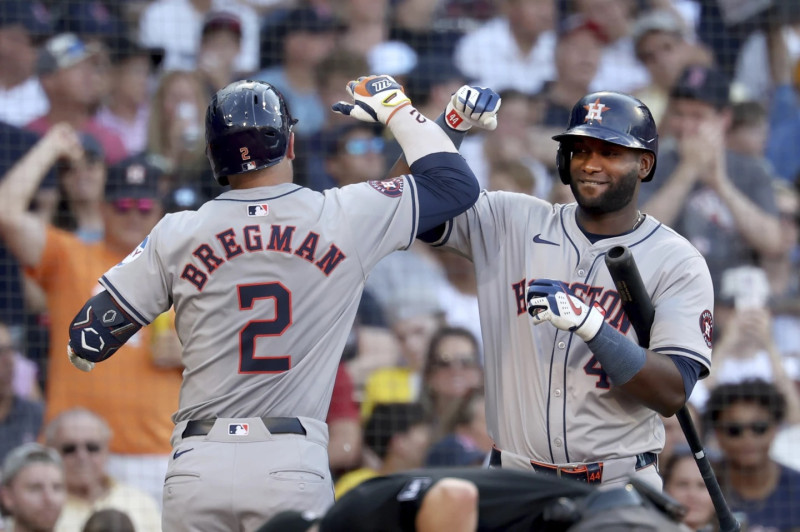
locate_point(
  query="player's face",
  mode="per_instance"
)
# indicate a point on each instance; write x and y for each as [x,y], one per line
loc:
[745,433]
[604,176]
[686,485]
[36,496]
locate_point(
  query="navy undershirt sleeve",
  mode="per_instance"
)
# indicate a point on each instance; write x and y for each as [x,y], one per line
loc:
[690,372]
[446,187]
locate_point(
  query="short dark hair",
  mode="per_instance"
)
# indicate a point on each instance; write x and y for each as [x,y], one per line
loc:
[388,420]
[757,391]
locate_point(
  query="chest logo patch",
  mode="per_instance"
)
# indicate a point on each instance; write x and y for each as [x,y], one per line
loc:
[262,209]
[707,326]
[392,188]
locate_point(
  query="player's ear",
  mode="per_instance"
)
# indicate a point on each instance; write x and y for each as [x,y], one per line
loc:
[290,148]
[646,161]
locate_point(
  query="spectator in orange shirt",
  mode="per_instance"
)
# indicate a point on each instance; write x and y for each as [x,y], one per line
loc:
[134,393]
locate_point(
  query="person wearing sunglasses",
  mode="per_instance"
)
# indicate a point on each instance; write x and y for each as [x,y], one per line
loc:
[355,154]
[136,395]
[82,439]
[746,417]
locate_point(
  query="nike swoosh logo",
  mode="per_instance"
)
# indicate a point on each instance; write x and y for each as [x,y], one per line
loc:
[539,240]
[576,310]
[178,453]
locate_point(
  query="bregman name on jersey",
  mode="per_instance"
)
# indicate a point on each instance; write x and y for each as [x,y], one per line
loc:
[208,257]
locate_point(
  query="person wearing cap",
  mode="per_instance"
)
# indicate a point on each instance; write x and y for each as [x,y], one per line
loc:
[22,23]
[32,488]
[721,201]
[127,107]
[306,37]
[661,42]
[136,395]
[512,51]
[68,75]
[176,25]
[220,43]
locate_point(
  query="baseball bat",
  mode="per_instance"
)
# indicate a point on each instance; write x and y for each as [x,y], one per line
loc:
[640,312]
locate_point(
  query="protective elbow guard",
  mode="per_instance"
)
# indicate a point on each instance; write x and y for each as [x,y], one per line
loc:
[100,328]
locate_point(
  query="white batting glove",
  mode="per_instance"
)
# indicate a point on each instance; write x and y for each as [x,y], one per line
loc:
[473,106]
[80,363]
[552,301]
[375,99]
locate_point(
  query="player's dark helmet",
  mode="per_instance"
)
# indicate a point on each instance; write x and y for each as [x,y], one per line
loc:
[611,116]
[248,126]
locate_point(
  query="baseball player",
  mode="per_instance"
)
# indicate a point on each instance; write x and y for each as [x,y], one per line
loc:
[265,281]
[570,393]
[501,500]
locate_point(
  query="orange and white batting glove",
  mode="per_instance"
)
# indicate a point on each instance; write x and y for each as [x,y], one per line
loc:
[472,106]
[375,99]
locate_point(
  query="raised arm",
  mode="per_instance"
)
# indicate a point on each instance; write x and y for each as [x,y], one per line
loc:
[23,231]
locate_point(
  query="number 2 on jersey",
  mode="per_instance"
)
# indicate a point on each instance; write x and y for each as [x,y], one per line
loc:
[593,367]
[282,299]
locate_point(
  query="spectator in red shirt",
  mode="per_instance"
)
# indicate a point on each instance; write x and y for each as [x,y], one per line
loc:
[67,71]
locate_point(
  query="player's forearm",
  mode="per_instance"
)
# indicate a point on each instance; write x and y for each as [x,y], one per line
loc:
[658,385]
[401,167]
[417,135]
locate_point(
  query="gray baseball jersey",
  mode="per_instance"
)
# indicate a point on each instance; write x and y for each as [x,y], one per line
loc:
[265,284]
[547,396]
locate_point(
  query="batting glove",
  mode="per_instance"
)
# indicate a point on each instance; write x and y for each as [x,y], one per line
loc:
[472,106]
[80,363]
[552,301]
[375,99]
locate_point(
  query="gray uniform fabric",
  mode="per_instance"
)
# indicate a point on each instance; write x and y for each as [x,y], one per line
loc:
[547,397]
[265,283]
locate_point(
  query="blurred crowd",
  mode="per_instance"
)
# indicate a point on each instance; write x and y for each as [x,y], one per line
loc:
[102,108]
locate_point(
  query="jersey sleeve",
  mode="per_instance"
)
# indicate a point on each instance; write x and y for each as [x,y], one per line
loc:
[139,282]
[382,215]
[683,324]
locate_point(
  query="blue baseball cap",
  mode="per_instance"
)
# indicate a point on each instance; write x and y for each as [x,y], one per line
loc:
[90,18]
[31,14]
[62,51]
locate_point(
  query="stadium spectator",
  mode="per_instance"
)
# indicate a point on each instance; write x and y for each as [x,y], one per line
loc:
[753,63]
[721,201]
[81,187]
[109,520]
[133,394]
[398,437]
[68,75]
[127,107]
[220,43]
[511,176]
[355,154]
[684,483]
[512,51]
[661,43]
[466,440]
[748,131]
[784,109]
[22,23]
[175,132]
[452,370]
[20,417]
[619,68]
[175,25]
[745,418]
[32,488]
[458,295]
[674,438]
[334,72]
[306,37]
[82,438]
[425,26]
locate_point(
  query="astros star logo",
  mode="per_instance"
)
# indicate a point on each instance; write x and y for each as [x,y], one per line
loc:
[595,111]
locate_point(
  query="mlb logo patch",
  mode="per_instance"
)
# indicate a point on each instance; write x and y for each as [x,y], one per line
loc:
[249,165]
[238,429]
[258,210]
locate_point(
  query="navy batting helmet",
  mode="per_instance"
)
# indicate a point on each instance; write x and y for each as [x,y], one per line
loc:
[248,126]
[613,117]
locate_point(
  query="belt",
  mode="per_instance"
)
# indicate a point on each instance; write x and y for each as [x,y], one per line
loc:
[589,473]
[275,425]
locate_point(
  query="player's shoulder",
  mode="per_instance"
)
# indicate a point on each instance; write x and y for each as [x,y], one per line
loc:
[659,236]
[504,197]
